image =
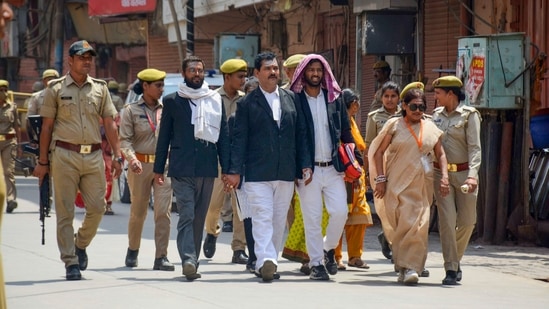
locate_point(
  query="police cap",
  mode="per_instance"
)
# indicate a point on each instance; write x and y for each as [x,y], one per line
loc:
[4,83]
[151,75]
[80,48]
[293,60]
[447,81]
[112,85]
[410,86]
[233,65]
[50,73]
[122,87]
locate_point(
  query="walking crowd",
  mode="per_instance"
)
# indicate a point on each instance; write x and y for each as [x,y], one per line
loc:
[269,153]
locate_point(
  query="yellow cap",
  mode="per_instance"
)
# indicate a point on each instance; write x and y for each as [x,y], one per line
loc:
[4,83]
[112,85]
[50,73]
[122,87]
[410,86]
[447,81]
[381,65]
[233,65]
[151,75]
[293,60]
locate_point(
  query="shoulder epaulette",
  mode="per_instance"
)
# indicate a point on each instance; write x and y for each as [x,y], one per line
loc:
[100,81]
[57,80]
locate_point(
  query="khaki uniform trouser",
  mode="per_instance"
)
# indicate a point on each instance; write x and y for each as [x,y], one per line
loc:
[214,212]
[8,149]
[140,190]
[457,216]
[71,172]
[3,296]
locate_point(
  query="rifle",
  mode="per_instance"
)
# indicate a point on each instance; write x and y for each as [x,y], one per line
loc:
[35,122]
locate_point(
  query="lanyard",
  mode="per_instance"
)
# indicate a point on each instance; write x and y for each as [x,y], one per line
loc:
[153,126]
[419,141]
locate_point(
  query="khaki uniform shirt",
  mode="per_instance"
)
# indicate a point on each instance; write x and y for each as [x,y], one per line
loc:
[77,109]
[9,118]
[136,133]
[461,139]
[376,121]
[117,101]
[35,103]
[230,104]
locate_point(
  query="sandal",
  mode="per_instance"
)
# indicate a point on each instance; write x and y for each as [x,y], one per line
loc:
[358,263]
[341,266]
[108,211]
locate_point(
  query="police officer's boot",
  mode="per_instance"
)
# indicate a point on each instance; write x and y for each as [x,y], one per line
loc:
[131,258]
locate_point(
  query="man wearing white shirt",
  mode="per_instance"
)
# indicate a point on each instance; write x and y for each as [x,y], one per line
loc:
[269,147]
[327,125]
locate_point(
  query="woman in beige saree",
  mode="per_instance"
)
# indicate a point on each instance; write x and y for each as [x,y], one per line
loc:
[400,172]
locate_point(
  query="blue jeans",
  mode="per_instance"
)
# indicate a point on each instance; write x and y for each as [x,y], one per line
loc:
[192,197]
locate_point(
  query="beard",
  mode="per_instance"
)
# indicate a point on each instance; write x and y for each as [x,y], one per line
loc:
[194,85]
[313,83]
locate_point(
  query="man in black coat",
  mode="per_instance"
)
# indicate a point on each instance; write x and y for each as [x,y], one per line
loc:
[327,125]
[194,133]
[269,147]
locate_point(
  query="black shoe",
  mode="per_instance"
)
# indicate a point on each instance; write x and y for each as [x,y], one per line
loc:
[250,266]
[319,273]
[459,274]
[450,278]
[82,257]
[190,271]
[268,271]
[425,273]
[227,226]
[385,247]
[73,272]
[209,246]
[162,263]
[11,206]
[240,257]
[331,264]
[131,258]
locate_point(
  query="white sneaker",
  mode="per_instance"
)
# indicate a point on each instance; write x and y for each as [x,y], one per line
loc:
[411,277]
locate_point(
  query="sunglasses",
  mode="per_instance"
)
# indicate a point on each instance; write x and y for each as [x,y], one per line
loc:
[415,107]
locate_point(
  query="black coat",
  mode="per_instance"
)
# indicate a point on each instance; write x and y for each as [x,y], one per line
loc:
[340,128]
[189,157]
[263,151]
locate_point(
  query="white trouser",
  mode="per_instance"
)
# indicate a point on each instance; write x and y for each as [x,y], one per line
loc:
[327,185]
[269,202]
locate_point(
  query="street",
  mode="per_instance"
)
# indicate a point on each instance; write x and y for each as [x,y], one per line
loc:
[493,276]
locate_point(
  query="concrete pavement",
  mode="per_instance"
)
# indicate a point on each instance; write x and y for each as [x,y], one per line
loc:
[493,277]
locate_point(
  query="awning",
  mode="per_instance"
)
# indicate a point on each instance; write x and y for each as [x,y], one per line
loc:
[110,8]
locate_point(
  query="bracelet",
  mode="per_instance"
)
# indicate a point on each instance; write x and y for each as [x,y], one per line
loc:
[43,164]
[380,179]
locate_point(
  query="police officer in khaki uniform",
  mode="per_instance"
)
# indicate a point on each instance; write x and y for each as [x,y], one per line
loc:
[461,141]
[37,99]
[289,66]
[73,107]
[138,132]
[234,77]
[382,74]
[116,100]
[10,133]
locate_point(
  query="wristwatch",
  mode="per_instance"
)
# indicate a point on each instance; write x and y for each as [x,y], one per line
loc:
[119,160]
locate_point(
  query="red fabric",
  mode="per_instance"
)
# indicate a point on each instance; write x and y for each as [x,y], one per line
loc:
[353,171]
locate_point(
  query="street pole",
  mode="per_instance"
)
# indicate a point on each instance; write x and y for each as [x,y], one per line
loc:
[59,36]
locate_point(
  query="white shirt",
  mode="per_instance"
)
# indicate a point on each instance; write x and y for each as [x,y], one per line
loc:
[323,141]
[273,98]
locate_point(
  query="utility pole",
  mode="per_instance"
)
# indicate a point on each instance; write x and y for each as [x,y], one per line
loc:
[59,36]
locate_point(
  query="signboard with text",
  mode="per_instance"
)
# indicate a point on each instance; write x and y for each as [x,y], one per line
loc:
[119,7]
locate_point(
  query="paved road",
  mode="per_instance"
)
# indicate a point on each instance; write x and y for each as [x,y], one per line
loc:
[494,277]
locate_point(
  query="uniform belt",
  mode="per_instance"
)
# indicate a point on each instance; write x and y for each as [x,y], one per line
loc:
[454,167]
[84,149]
[323,164]
[145,158]
[5,137]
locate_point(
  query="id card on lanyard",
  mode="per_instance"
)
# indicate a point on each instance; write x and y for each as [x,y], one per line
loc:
[153,125]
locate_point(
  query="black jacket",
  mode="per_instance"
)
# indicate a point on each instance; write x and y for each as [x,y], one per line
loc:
[189,157]
[340,128]
[263,151]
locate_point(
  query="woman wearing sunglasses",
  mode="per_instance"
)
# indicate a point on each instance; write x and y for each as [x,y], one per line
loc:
[401,175]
